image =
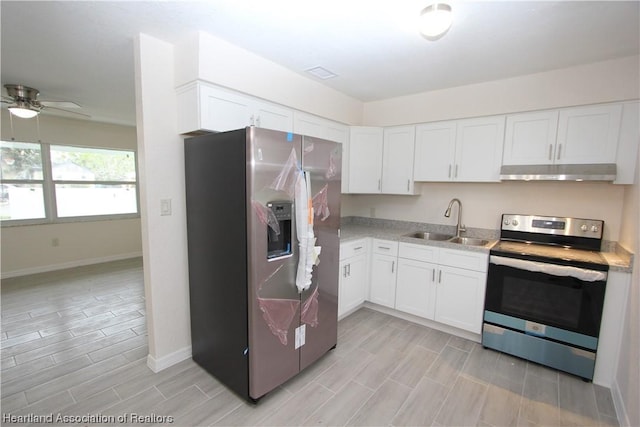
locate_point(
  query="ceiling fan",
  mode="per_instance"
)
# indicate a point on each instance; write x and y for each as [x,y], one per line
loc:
[23,102]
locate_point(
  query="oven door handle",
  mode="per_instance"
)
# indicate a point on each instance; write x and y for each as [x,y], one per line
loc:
[552,269]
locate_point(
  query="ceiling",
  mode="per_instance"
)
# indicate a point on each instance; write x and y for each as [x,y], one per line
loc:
[83,51]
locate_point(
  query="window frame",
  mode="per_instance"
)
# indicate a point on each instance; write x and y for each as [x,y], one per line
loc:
[49,190]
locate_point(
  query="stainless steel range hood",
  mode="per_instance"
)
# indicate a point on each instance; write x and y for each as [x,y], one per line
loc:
[591,172]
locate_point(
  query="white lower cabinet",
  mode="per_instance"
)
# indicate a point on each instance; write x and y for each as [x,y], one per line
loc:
[384,267]
[460,298]
[442,284]
[354,273]
[416,288]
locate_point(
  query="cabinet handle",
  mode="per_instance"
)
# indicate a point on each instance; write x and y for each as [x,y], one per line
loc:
[439,276]
[379,185]
[550,151]
[408,184]
[455,174]
[349,269]
[559,150]
[386,248]
[393,266]
[357,248]
[344,271]
[449,171]
[433,275]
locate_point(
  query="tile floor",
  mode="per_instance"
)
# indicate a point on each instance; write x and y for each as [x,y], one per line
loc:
[74,344]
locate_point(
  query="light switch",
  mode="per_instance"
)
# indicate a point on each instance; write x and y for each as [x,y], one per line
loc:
[165,207]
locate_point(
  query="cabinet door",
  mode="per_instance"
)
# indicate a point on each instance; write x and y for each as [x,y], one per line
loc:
[530,138]
[352,283]
[460,298]
[270,116]
[479,145]
[340,133]
[588,134]
[627,153]
[365,160]
[308,124]
[398,159]
[222,110]
[434,151]
[383,280]
[415,288]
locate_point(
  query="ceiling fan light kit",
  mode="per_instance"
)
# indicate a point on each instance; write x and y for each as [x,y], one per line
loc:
[23,110]
[435,20]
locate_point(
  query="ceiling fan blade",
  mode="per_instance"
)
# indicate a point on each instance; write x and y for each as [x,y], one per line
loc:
[47,108]
[60,104]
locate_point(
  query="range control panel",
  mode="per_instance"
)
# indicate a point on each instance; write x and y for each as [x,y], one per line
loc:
[576,227]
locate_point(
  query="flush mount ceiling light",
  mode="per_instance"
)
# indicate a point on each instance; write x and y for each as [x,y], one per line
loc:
[23,110]
[435,20]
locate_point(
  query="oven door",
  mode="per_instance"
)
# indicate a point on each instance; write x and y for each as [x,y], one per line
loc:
[541,295]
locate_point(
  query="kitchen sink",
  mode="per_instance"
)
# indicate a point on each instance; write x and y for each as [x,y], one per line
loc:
[470,241]
[429,236]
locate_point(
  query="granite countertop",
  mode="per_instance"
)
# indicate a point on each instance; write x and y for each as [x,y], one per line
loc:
[360,227]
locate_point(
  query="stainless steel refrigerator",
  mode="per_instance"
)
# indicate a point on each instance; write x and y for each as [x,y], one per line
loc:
[263,218]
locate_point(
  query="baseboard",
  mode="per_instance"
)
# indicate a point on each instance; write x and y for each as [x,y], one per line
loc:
[618,403]
[425,322]
[65,265]
[159,364]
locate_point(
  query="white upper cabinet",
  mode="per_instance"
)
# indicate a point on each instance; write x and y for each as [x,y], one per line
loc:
[365,159]
[397,160]
[579,135]
[319,127]
[628,143]
[588,134]
[203,107]
[467,150]
[530,138]
[434,151]
[381,160]
[479,145]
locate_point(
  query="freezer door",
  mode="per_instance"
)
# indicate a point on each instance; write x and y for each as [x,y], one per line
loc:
[273,162]
[319,310]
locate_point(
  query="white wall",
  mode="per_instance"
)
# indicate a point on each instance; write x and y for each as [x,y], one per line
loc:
[29,249]
[164,242]
[607,81]
[203,56]
[483,203]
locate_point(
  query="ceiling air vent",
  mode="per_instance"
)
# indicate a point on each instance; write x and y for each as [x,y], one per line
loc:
[321,73]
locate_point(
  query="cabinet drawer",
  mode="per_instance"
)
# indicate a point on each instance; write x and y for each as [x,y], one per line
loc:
[476,261]
[385,247]
[418,252]
[353,248]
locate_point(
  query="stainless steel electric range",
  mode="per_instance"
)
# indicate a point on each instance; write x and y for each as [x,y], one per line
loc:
[545,291]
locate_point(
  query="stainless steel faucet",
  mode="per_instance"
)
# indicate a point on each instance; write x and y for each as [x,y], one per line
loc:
[459,227]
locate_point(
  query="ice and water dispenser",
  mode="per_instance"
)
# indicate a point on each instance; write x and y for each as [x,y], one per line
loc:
[279,233]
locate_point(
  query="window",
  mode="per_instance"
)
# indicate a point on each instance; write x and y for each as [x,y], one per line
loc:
[49,183]
[21,181]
